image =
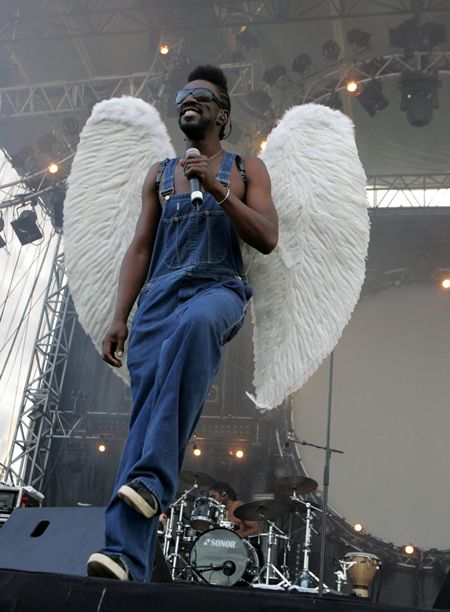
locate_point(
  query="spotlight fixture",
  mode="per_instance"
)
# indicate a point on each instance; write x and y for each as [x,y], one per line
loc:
[245,38]
[358,38]
[239,454]
[412,35]
[409,549]
[164,49]
[419,97]
[26,228]
[302,63]
[274,74]
[358,527]
[331,50]
[101,448]
[333,101]
[258,101]
[196,450]
[371,98]
[351,86]
[445,283]
[53,167]
[71,126]
[54,204]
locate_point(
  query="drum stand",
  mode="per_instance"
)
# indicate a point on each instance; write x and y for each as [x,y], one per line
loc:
[306,577]
[341,575]
[173,558]
[269,571]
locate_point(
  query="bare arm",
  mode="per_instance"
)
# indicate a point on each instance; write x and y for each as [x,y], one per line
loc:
[256,220]
[133,270]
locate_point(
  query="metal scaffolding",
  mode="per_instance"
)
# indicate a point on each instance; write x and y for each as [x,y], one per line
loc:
[29,20]
[40,412]
[69,96]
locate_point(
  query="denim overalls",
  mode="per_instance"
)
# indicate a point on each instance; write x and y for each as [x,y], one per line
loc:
[193,302]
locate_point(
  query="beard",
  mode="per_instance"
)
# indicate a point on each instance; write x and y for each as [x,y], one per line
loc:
[194,130]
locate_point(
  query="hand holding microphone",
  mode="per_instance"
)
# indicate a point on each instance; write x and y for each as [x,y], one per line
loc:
[194,181]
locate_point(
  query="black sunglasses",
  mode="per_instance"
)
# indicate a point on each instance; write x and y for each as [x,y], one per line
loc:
[201,94]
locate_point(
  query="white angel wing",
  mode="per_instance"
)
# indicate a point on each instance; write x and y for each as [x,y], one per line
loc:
[122,138]
[306,290]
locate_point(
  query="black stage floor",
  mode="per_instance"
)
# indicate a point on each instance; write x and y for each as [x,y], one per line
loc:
[45,592]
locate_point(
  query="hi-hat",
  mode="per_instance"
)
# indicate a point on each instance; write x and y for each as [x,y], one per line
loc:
[295,484]
[269,509]
[203,480]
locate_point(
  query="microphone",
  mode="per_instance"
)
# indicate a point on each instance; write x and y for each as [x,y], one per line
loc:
[196,191]
[228,568]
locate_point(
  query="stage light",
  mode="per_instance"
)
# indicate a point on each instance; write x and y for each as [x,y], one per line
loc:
[196,450]
[302,63]
[25,227]
[419,97]
[71,126]
[53,167]
[411,35]
[358,38]
[409,549]
[239,454]
[274,74]
[246,38]
[333,101]
[358,527]
[371,98]
[164,49]
[101,448]
[258,101]
[445,283]
[331,50]
[351,86]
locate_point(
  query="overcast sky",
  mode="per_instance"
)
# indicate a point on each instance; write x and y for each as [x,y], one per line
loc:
[20,306]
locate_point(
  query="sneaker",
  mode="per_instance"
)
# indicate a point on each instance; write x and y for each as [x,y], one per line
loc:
[136,495]
[100,565]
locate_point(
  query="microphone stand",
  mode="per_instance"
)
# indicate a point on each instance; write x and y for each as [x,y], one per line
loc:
[326,472]
[326,476]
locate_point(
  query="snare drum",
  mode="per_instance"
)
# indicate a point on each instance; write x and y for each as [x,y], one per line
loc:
[362,572]
[231,558]
[205,513]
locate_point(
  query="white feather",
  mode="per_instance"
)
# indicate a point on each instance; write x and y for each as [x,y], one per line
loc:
[120,141]
[306,290]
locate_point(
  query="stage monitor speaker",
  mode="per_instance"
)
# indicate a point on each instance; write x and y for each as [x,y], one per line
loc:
[442,601]
[58,540]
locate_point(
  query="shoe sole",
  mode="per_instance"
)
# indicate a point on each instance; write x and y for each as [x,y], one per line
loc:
[102,566]
[135,501]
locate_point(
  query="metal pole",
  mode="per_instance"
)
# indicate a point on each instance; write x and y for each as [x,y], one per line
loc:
[326,476]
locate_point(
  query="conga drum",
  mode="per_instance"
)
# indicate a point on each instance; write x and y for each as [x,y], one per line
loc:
[362,572]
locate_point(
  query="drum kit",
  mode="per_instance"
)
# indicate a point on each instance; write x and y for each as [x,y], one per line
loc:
[200,543]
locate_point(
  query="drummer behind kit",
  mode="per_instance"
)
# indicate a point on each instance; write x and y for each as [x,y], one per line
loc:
[203,546]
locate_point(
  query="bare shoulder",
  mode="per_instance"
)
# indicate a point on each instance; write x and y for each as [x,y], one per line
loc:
[255,168]
[150,179]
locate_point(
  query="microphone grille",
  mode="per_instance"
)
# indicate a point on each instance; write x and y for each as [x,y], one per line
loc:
[192,152]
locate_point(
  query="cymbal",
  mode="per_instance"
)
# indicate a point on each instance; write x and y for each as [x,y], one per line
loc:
[298,484]
[269,509]
[203,480]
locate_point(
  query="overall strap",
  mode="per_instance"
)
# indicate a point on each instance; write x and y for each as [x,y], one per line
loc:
[224,173]
[166,173]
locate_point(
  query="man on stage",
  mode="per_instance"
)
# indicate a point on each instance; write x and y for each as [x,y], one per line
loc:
[185,265]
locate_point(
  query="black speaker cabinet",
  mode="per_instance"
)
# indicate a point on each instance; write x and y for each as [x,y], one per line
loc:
[57,540]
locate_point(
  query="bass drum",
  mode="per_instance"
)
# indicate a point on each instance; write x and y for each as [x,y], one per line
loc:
[231,558]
